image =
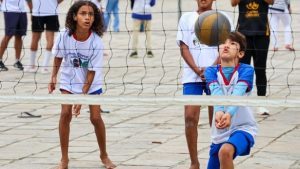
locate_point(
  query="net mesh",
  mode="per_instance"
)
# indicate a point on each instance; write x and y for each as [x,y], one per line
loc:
[149,78]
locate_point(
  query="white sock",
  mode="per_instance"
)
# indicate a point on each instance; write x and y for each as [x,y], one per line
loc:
[47,58]
[32,59]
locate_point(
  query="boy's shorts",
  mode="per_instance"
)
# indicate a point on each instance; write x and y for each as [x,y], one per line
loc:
[196,88]
[15,23]
[40,22]
[240,140]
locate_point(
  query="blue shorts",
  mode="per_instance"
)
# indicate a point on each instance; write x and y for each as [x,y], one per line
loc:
[97,92]
[240,140]
[196,88]
[15,23]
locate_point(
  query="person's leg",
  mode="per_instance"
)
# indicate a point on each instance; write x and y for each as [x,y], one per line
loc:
[64,131]
[96,120]
[21,29]
[18,46]
[11,20]
[210,114]
[37,27]
[226,154]
[135,36]
[116,16]
[191,116]
[36,36]
[4,44]
[148,35]
[48,54]
[107,14]
[214,162]
[238,144]
[274,18]
[261,48]
[288,39]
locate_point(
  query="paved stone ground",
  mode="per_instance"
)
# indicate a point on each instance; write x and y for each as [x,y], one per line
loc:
[143,137]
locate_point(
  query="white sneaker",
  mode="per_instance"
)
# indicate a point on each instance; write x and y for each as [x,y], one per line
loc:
[263,111]
[30,69]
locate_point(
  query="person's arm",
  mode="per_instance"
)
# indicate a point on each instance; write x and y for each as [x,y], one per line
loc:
[88,81]
[86,87]
[188,58]
[239,90]
[235,2]
[29,2]
[53,80]
[270,2]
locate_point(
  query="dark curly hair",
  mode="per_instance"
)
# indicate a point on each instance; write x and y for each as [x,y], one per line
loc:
[98,24]
[239,38]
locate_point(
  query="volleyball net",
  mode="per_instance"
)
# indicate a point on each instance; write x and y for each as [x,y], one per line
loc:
[149,81]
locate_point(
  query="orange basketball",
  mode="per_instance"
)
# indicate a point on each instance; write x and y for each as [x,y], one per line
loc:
[212,28]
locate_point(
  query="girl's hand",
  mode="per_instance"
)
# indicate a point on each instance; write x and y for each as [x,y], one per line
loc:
[85,89]
[52,84]
[76,109]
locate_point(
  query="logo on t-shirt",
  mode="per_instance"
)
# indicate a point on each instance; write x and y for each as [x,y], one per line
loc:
[79,60]
[252,10]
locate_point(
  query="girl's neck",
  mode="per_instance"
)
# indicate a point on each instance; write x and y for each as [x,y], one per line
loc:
[81,35]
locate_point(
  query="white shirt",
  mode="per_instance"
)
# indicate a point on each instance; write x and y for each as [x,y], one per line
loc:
[13,6]
[44,7]
[78,58]
[203,55]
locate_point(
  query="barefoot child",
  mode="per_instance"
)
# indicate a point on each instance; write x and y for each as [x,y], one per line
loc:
[234,128]
[78,51]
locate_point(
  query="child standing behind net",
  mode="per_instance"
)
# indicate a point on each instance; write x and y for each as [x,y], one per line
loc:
[234,128]
[141,14]
[78,51]
[15,20]
[44,16]
[281,11]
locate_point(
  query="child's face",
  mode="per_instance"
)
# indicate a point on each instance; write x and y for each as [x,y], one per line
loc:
[230,51]
[85,18]
[205,4]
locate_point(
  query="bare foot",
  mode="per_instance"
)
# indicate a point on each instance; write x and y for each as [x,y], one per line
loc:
[194,166]
[62,165]
[107,163]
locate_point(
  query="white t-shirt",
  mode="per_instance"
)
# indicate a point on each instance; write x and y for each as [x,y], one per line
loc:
[203,55]
[13,6]
[44,7]
[78,58]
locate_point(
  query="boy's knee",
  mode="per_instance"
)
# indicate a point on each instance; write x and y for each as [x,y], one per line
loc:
[226,152]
